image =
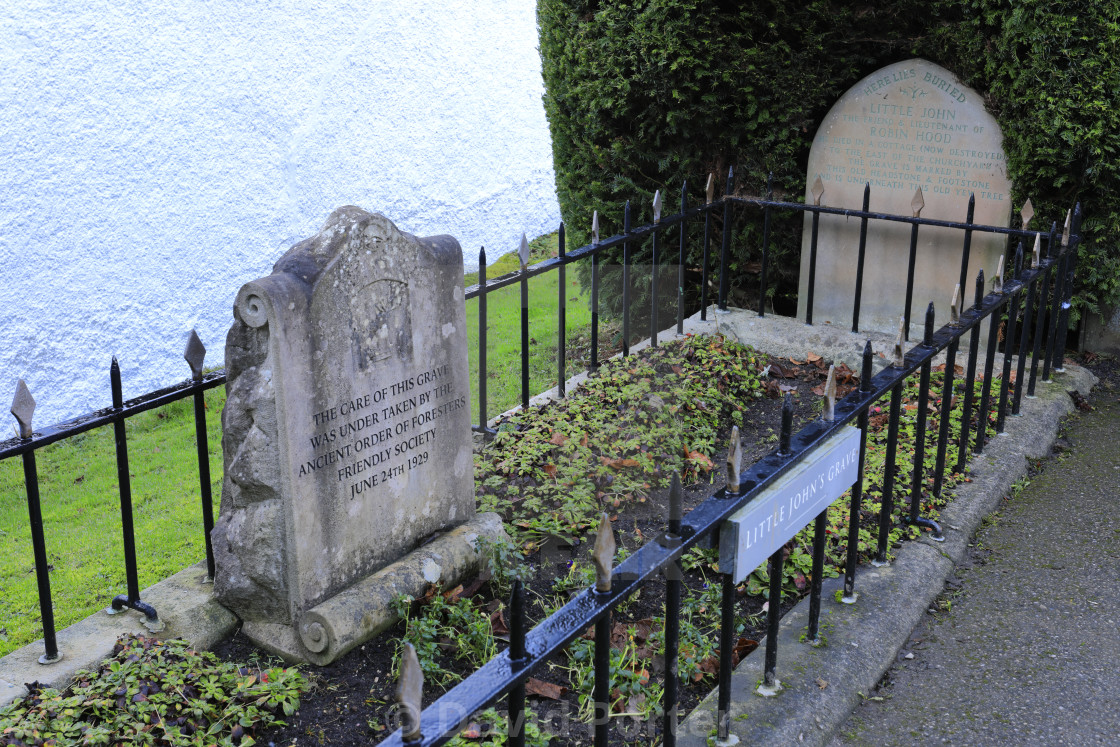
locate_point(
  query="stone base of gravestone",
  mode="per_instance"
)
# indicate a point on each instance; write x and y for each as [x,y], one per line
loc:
[346,433]
[910,126]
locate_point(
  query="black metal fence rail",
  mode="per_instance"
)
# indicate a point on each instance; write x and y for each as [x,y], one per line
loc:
[656,233]
[1054,267]
[30,441]
[506,673]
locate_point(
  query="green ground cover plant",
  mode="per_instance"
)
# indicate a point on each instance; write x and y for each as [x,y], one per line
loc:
[610,447]
[153,692]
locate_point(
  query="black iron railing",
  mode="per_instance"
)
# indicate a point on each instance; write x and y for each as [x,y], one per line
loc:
[31,441]
[1047,285]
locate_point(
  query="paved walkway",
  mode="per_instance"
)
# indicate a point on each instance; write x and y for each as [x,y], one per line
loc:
[1025,649]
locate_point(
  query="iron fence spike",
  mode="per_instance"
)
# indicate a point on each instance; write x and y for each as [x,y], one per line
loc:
[978,299]
[997,285]
[734,460]
[710,189]
[1027,213]
[818,190]
[829,412]
[523,253]
[787,425]
[410,691]
[1036,256]
[562,238]
[676,498]
[595,227]
[928,339]
[866,372]
[955,306]
[195,354]
[657,206]
[730,180]
[918,203]
[23,408]
[899,356]
[603,554]
[482,256]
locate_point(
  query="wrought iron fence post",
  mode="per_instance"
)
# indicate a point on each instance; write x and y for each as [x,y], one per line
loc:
[681,261]
[626,281]
[23,408]
[195,355]
[709,192]
[850,595]
[653,270]
[1040,315]
[671,694]
[603,555]
[917,203]
[970,378]
[561,314]
[523,256]
[124,485]
[1071,253]
[594,363]
[862,256]
[1009,341]
[817,192]
[725,250]
[482,419]
[766,211]
[966,249]
[516,725]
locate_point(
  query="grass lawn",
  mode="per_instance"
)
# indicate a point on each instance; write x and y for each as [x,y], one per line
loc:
[78,477]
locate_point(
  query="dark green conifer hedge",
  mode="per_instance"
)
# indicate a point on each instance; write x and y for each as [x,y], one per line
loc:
[644,94]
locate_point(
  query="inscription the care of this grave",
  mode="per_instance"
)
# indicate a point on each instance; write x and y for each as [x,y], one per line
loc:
[375,437]
[910,145]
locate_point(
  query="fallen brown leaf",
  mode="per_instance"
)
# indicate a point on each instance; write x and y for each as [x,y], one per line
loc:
[543,689]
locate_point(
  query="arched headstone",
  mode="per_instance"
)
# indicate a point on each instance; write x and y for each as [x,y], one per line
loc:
[907,126]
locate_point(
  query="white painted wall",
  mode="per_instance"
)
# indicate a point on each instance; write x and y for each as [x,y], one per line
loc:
[153,159]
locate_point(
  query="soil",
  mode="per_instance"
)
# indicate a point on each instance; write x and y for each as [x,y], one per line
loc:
[350,702]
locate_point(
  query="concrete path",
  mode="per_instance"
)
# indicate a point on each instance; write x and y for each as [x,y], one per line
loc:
[1024,645]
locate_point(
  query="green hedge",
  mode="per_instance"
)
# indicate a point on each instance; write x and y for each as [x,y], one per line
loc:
[1052,73]
[646,94]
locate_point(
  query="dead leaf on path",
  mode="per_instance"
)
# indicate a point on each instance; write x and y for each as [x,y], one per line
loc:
[543,689]
[812,357]
[822,684]
[558,439]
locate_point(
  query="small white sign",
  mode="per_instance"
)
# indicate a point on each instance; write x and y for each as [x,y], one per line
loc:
[754,532]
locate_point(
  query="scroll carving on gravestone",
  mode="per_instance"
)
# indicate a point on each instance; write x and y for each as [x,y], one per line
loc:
[347,425]
[911,125]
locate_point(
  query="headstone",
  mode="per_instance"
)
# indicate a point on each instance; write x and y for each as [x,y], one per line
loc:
[347,425]
[910,125]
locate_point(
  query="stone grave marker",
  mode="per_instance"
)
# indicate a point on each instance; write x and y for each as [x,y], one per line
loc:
[907,126]
[346,433]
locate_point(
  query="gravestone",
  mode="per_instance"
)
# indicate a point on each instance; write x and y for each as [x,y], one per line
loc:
[346,429]
[910,125]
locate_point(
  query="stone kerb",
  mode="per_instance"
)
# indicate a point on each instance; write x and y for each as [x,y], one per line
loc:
[346,429]
[909,126]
